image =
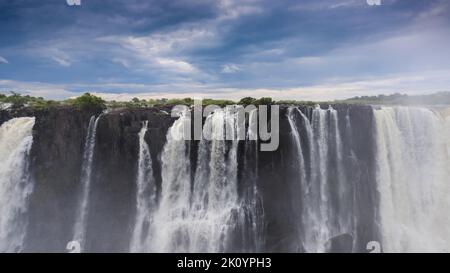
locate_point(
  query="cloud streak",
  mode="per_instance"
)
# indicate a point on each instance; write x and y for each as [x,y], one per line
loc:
[412,83]
[3,60]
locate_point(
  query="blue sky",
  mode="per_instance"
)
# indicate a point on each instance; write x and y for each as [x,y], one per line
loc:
[304,49]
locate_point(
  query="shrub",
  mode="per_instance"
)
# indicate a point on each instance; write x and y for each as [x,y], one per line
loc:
[247,101]
[88,101]
[40,103]
[264,101]
[16,99]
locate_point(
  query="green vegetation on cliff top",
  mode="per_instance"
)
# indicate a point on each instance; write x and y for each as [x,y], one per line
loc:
[87,100]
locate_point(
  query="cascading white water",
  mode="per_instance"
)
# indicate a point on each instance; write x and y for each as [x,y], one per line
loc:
[215,196]
[296,137]
[205,206]
[321,134]
[170,221]
[413,175]
[145,197]
[251,215]
[15,183]
[308,223]
[85,181]
[311,223]
[201,217]
[341,212]
[324,149]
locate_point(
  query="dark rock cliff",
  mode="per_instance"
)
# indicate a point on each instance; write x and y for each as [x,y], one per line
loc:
[278,179]
[58,142]
[5,115]
[112,207]
[56,159]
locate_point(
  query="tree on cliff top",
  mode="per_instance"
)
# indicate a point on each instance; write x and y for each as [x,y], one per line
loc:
[247,101]
[15,99]
[88,101]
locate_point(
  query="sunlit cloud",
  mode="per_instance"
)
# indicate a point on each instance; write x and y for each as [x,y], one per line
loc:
[161,50]
[230,68]
[412,83]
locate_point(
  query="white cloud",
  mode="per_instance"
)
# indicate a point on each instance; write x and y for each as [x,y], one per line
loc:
[160,50]
[324,5]
[61,61]
[62,52]
[412,84]
[414,50]
[346,4]
[230,68]
[3,60]
[177,65]
[38,89]
[233,9]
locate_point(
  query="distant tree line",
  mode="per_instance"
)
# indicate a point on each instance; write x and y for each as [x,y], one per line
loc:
[397,98]
[17,100]
[88,100]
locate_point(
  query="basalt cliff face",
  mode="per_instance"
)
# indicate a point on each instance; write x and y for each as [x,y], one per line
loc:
[56,162]
[124,182]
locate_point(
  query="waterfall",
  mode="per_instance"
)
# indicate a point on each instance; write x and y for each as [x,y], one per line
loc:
[201,212]
[171,223]
[145,196]
[85,181]
[251,218]
[321,181]
[412,167]
[367,173]
[221,197]
[306,215]
[15,184]
[321,134]
[296,137]
[341,213]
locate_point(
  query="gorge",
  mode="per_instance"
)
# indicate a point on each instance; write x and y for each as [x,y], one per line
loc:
[122,181]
